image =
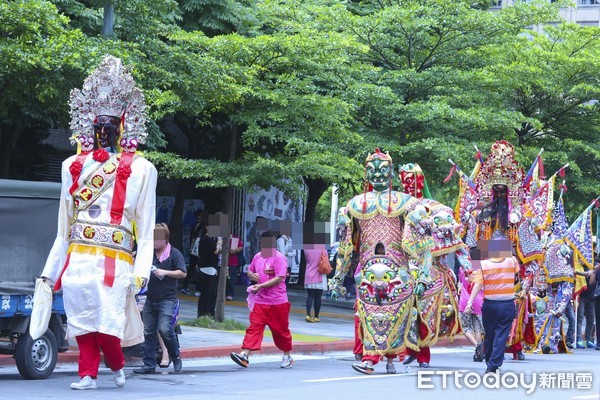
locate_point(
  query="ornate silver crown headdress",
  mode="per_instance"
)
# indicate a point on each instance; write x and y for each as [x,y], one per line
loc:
[109,90]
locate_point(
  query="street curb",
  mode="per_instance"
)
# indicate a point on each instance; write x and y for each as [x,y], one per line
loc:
[72,355]
[293,309]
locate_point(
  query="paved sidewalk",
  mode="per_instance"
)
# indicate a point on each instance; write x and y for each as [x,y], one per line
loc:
[334,333]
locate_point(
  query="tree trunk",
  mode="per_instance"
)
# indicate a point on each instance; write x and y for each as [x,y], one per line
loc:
[108,22]
[224,269]
[176,225]
[316,188]
[9,135]
[223,273]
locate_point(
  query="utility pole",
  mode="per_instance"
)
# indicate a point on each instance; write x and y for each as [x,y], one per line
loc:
[226,228]
[223,267]
[333,215]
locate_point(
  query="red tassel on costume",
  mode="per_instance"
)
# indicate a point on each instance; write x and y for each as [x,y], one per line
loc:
[561,172]
[109,271]
[366,185]
[58,283]
[81,160]
[119,193]
[390,196]
[452,170]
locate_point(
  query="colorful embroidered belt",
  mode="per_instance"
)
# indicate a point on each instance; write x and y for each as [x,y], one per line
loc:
[109,236]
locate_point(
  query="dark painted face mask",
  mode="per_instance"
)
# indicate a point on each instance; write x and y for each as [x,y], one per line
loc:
[106,131]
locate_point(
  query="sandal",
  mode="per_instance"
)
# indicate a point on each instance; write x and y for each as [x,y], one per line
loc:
[162,365]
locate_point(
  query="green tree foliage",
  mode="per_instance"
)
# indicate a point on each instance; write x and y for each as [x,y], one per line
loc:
[551,79]
[42,59]
[296,93]
[83,15]
[216,17]
[273,89]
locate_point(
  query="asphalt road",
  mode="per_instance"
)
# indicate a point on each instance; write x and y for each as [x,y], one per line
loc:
[574,376]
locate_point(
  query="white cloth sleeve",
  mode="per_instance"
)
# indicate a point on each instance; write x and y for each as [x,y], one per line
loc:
[145,217]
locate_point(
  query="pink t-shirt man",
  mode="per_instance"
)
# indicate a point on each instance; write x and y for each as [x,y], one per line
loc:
[267,268]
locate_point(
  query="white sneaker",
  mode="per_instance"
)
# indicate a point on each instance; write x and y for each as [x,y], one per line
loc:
[286,362]
[85,383]
[197,294]
[119,378]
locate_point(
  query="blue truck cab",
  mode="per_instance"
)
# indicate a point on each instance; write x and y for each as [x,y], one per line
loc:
[28,226]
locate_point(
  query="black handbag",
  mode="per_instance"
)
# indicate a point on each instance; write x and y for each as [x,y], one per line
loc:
[241,259]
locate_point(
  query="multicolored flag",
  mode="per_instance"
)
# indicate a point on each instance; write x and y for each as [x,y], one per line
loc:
[580,237]
[559,219]
[535,172]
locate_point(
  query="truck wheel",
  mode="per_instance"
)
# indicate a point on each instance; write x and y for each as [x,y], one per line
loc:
[36,359]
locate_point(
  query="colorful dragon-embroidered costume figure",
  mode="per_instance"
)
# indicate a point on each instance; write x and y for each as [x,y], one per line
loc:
[107,208]
[438,307]
[388,282]
[500,201]
[567,250]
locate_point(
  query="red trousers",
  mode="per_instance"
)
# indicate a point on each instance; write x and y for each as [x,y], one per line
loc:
[514,349]
[90,345]
[277,318]
[423,355]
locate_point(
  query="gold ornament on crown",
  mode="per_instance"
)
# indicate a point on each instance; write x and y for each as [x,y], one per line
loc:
[500,168]
[109,90]
[378,155]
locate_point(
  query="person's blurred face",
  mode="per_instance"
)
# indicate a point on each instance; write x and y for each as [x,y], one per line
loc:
[160,239]
[267,246]
[497,248]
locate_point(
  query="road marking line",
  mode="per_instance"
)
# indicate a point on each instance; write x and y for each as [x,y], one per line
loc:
[349,378]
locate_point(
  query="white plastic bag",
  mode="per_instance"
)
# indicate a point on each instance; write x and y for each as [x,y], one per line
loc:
[134,327]
[42,309]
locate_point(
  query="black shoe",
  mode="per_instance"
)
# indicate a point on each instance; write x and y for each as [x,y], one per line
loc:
[408,360]
[424,365]
[145,370]
[598,347]
[240,359]
[491,370]
[478,357]
[570,345]
[520,355]
[177,364]
[363,368]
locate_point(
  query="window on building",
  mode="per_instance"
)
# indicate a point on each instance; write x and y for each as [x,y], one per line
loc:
[497,3]
[588,23]
[588,2]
